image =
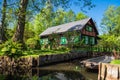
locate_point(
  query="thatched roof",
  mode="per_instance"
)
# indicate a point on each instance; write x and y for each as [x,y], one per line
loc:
[76,25]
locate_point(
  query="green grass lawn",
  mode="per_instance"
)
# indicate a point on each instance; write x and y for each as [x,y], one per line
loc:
[115,62]
[35,53]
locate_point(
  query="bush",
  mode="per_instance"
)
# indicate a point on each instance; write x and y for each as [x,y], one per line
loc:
[12,49]
[33,43]
[63,48]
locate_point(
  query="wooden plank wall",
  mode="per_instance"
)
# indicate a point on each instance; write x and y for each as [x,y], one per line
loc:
[108,72]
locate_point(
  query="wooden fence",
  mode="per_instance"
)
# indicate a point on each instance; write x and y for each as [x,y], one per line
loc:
[104,49]
[108,72]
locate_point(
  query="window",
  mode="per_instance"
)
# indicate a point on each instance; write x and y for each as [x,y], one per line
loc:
[76,39]
[41,41]
[83,38]
[44,41]
[63,40]
[88,28]
[92,40]
[86,39]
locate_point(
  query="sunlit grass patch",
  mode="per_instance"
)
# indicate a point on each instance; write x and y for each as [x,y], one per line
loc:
[115,62]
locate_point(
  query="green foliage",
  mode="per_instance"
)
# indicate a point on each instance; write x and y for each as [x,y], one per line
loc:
[110,25]
[80,16]
[12,49]
[35,77]
[48,18]
[111,20]
[33,43]
[63,48]
[78,44]
[28,33]
[110,42]
[2,77]
[77,68]
[115,62]
[43,19]
[45,52]
[9,33]
[69,16]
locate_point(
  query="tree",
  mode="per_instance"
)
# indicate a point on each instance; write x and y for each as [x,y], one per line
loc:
[116,30]
[3,22]
[8,18]
[109,41]
[69,16]
[18,36]
[43,19]
[29,32]
[53,18]
[80,15]
[110,22]
[60,17]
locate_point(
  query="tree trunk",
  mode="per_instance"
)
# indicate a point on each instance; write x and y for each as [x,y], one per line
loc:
[3,24]
[18,36]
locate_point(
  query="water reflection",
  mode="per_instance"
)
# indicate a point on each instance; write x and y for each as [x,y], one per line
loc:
[60,75]
[61,71]
[45,75]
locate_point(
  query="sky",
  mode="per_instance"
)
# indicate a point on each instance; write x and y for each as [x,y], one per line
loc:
[97,12]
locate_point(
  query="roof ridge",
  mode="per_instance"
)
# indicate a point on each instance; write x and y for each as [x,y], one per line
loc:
[65,27]
[72,22]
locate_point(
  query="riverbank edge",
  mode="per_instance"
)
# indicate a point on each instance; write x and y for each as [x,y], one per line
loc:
[39,60]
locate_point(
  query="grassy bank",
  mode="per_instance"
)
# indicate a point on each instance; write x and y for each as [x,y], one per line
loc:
[35,53]
[43,52]
[115,62]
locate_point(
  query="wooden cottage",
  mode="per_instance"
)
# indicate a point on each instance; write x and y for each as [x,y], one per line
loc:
[85,29]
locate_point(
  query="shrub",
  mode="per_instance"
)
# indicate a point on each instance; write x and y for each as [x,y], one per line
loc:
[12,49]
[33,43]
[63,48]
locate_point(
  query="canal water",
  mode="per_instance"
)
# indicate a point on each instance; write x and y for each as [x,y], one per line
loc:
[60,71]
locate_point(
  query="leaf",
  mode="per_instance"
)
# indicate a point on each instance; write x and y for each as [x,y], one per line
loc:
[13,50]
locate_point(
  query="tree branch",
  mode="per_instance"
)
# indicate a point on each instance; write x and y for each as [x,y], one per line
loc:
[35,5]
[13,4]
[38,7]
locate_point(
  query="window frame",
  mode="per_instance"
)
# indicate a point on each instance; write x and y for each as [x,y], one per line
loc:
[89,28]
[88,40]
[44,41]
[65,41]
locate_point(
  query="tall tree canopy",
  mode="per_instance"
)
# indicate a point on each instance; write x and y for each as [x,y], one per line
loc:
[111,20]
[53,18]
[111,28]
